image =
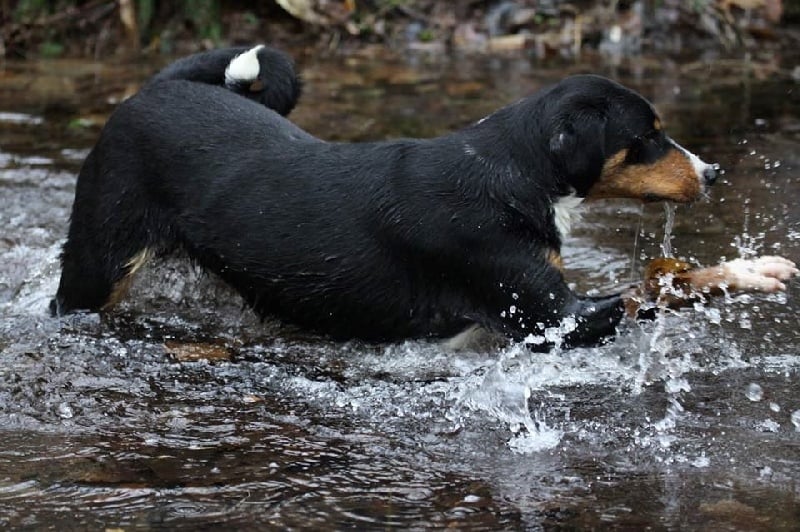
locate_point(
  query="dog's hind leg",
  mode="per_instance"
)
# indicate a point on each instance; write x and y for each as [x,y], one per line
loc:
[93,282]
[110,238]
[98,261]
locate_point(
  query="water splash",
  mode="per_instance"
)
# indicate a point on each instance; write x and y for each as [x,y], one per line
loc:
[669,223]
[504,393]
[634,258]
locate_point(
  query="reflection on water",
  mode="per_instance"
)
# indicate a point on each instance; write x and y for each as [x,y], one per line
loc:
[690,421]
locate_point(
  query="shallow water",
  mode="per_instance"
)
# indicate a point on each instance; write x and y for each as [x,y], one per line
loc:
[182,409]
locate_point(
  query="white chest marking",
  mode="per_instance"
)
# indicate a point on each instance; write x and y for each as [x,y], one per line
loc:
[243,67]
[565,212]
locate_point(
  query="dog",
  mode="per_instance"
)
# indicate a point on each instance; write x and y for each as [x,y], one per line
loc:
[378,241]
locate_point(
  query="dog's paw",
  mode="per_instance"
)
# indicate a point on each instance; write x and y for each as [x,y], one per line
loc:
[764,274]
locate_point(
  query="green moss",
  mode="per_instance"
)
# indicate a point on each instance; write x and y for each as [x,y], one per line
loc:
[426,35]
[27,10]
[204,14]
[50,49]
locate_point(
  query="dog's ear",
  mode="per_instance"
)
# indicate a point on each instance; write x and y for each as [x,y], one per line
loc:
[577,146]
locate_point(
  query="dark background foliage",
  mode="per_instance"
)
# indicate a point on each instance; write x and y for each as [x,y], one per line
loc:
[101,28]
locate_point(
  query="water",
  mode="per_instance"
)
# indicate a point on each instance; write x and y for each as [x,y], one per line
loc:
[669,223]
[182,409]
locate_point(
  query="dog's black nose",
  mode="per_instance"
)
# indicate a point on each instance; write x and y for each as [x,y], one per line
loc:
[709,175]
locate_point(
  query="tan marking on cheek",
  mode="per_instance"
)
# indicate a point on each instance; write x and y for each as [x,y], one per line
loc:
[122,286]
[555,260]
[670,178]
[657,124]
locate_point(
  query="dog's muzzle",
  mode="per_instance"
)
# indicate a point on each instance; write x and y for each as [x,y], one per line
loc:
[706,173]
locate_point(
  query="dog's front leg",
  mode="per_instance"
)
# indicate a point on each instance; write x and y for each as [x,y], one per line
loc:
[596,319]
[540,308]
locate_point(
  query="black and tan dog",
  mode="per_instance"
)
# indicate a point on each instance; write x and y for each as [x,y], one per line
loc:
[378,241]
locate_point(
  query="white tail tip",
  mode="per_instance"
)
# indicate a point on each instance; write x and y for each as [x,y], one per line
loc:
[244,67]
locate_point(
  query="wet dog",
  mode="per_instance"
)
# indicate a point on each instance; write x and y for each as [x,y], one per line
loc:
[383,240]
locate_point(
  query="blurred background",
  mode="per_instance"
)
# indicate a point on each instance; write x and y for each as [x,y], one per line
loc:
[542,28]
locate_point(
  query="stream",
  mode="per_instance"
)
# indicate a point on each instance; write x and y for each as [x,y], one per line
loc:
[181,409]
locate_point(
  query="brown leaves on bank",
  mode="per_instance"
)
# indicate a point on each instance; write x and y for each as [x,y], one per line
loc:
[112,27]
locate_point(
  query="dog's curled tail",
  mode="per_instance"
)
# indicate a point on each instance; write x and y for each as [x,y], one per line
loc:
[260,73]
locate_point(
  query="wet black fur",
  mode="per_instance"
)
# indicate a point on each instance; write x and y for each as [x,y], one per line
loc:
[379,241]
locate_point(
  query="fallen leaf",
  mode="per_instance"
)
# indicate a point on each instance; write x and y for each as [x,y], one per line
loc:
[196,351]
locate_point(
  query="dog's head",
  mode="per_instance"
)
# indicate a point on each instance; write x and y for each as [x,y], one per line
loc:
[606,141]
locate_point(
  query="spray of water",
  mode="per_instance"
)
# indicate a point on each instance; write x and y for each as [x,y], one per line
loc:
[669,223]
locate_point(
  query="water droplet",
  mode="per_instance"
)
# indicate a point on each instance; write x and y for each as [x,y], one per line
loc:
[796,420]
[754,392]
[713,315]
[65,411]
[744,321]
[701,461]
[768,425]
[677,385]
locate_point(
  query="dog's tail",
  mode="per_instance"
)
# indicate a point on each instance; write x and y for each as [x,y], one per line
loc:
[260,73]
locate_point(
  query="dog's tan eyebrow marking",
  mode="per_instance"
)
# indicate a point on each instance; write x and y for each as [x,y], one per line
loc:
[657,124]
